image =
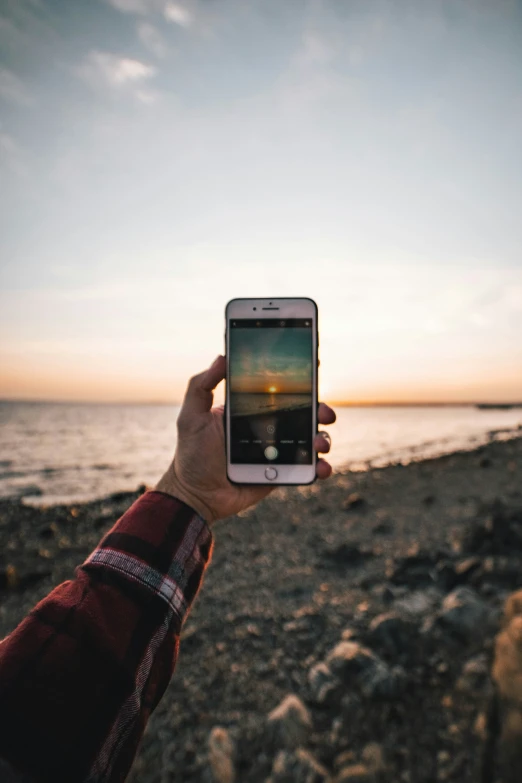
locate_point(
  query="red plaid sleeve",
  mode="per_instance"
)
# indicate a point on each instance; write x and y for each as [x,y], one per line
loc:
[80,676]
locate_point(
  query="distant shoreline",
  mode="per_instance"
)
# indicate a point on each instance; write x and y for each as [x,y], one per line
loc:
[333,403]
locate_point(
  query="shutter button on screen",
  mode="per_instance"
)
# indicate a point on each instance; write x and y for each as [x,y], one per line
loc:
[271,474]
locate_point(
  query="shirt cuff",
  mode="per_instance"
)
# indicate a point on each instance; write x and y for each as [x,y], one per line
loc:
[159,544]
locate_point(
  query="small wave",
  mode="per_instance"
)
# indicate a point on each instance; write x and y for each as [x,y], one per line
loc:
[6,463]
[12,474]
[30,490]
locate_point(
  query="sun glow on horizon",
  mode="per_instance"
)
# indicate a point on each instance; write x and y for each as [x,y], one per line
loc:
[272,389]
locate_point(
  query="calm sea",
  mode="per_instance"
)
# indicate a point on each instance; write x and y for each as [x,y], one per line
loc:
[67,452]
[242,404]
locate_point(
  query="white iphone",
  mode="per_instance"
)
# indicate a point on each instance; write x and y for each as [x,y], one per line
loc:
[271,390]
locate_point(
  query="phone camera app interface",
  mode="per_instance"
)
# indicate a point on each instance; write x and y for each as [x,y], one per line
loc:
[270,375]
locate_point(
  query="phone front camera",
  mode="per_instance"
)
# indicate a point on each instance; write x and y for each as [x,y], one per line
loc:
[255,308]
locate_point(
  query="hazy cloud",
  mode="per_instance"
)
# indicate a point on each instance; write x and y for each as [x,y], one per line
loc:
[13,89]
[152,39]
[11,155]
[115,71]
[133,6]
[178,14]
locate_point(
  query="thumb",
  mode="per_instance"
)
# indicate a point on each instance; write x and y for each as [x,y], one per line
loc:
[199,396]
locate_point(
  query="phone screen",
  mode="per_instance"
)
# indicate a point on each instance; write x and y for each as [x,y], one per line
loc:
[271,390]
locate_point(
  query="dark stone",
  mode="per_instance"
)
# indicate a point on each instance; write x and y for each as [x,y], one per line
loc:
[353,502]
[414,571]
[391,632]
[346,554]
[464,569]
[46,531]
[498,533]
[464,613]
[383,528]
[429,500]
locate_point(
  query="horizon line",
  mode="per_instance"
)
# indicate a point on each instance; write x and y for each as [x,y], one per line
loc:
[335,403]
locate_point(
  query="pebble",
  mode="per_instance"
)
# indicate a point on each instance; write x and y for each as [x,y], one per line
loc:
[354,501]
[418,603]
[221,752]
[289,724]
[392,632]
[298,766]
[349,659]
[359,667]
[324,686]
[464,612]
[355,773]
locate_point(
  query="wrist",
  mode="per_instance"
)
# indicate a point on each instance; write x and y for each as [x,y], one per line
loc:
[171,485]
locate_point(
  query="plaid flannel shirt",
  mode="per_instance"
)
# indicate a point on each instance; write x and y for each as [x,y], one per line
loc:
[80,676]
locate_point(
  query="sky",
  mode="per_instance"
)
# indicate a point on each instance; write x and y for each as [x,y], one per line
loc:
[267,360]
[159,158]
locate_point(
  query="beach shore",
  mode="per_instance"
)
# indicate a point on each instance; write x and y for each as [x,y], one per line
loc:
[289,580]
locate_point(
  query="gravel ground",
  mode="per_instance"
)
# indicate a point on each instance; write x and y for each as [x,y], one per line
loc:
[289,580]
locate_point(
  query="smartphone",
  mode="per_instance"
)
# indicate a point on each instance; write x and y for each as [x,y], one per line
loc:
[271,390]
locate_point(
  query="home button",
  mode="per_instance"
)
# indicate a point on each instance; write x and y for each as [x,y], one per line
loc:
[271,474]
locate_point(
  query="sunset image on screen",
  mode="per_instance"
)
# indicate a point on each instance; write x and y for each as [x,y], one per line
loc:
[273,361]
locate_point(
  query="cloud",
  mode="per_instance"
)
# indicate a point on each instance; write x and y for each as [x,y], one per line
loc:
[13,89]
[11,155]
[178,14]
[152,39]
[132,6]
[115,71]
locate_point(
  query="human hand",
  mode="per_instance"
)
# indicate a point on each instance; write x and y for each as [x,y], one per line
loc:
[198,472]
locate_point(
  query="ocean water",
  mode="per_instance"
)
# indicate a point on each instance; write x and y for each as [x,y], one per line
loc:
[52,452]
[247,404]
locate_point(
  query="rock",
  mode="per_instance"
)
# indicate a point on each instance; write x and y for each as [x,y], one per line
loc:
[474,674]
[359,667]
[391,632]
[346,554]
[324,686]
[373,757]
[221,753]
[349,659]
[498,533]
[289,724]
[47,531]
[384,593]
[344,759]
[418,603]
[413,570]
[465,568]
[355,773]
[464,613]
[298,766]
[354,501]
[307,620]
[383,528]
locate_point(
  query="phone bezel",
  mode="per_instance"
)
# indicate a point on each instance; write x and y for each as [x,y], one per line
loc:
[289,307]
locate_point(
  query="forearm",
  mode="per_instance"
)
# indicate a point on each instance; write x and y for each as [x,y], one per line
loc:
[81,674]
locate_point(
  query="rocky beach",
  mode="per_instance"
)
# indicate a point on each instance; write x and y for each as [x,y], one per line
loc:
[344,632]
